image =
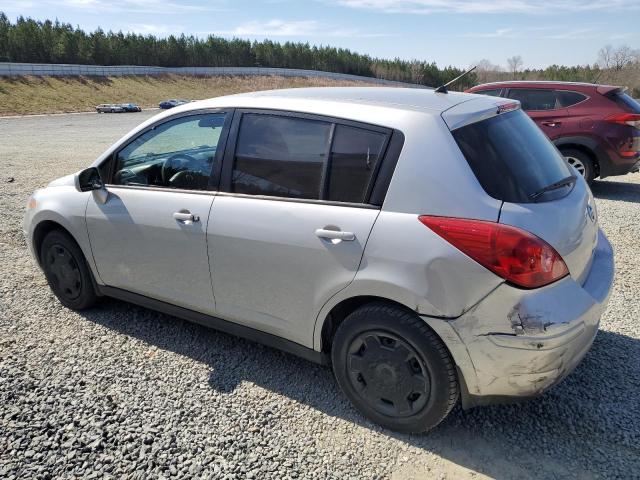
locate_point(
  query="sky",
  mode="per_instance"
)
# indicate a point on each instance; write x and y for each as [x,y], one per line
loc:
[449,32]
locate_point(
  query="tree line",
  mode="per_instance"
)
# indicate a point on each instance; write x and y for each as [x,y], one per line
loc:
[32,41]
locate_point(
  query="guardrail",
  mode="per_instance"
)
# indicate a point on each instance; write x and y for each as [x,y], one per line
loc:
[8,69]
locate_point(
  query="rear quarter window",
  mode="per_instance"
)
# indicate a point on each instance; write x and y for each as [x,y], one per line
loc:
[511,157]
[568,99]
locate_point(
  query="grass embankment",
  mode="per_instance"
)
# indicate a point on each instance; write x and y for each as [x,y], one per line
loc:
[29,95]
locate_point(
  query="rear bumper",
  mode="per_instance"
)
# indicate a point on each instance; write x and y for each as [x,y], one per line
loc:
[518,343]
[613,164]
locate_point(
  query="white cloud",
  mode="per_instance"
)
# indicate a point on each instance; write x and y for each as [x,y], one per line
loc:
[500,33]
[129,6]
[154,29]
[547,32]
[296,28]
[487,6]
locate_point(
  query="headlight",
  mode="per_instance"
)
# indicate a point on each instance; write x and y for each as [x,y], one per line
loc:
[31,203]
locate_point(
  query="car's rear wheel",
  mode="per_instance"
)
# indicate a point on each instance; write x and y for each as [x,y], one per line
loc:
[581,162]
[66,270]
[394,368]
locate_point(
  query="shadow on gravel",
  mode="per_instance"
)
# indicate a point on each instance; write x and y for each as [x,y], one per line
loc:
[589,419]
[611,190]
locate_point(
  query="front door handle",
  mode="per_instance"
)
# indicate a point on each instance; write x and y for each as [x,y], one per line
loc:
[551,124]
[185,216]
[335,235]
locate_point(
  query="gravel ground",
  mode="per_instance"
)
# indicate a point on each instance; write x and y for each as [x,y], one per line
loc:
[124,392]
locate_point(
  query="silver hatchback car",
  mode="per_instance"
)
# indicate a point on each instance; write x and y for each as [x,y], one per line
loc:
[429,246]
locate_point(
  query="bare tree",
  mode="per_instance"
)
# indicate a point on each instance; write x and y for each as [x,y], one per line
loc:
[486,71]
[615,61]
[515,63]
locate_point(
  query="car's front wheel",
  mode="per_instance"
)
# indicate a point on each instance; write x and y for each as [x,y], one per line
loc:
[67,271]
[394,368]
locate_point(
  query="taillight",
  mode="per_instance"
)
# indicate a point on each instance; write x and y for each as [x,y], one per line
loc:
[631,119]
[511,253]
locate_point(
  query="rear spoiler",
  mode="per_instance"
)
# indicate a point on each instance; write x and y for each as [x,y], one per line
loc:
[480,108]
[607,90]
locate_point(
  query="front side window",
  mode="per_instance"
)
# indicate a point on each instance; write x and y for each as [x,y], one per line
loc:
[180,153]
[532,99]
[280,156]
[355,154]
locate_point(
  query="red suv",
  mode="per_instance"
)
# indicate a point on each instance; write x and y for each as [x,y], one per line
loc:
[596,127]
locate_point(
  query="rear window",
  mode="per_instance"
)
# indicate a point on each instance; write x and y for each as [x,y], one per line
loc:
[626,102]
[511,157]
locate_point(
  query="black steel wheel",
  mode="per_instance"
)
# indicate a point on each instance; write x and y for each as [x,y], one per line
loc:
[66,271]
[388,373]
[394,368]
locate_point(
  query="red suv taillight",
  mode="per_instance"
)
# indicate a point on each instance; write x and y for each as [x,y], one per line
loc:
[511,253]
[631,119]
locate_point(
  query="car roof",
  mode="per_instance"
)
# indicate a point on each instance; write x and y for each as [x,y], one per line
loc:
[422,99]
[546,83]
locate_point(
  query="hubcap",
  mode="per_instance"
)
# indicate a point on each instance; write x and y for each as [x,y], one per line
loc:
[577,164]
[64,272]
[388,374]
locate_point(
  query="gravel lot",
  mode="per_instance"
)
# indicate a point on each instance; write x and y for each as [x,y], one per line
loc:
[124,392]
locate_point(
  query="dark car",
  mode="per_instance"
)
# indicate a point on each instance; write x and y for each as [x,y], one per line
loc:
[130,107]
[172,103]
[596,127]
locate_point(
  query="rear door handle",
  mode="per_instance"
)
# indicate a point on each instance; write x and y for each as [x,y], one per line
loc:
[551,124]
[185,216]
[335,235]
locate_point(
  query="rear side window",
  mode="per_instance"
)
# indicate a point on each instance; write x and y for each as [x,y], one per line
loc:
[294,157]
[532,99]
[355,154]
[511,157]
[567,98]
[491,93]
[625,101]
[280,156]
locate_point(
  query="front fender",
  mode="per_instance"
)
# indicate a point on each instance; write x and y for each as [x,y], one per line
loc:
[65,206]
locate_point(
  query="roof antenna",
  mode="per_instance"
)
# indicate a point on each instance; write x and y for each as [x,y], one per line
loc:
[443,88]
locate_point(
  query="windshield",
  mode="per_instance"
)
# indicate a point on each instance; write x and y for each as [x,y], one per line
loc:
[512,158]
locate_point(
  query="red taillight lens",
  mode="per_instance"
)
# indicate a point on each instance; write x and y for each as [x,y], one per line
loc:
[511,253]
[631,119]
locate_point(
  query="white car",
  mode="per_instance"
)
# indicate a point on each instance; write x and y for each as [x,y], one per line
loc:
[109,108]
[429,246]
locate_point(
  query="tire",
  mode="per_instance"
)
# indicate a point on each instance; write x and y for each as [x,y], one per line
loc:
[66,271]
[582,162]
[394,369]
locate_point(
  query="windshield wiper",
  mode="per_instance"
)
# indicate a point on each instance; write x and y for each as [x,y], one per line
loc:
[565,182]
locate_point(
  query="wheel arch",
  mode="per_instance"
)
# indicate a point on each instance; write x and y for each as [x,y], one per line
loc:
[586,145]
[41,230]
[341,310]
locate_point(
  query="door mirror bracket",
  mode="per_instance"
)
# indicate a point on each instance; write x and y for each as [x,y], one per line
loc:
[89,180]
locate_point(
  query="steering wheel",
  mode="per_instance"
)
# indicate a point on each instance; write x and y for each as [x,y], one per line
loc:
[174,164]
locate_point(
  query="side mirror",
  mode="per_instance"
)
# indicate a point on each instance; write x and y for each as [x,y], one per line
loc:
[89,179]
